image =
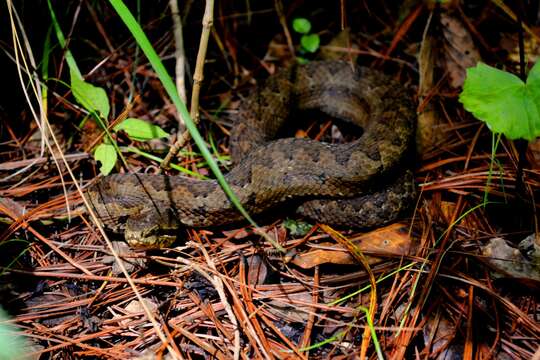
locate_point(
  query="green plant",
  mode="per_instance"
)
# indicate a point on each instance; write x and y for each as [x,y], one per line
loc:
[508,105]
[94,100]
[503,101]
[309,43]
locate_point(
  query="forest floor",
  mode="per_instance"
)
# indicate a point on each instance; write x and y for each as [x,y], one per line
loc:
[451,279]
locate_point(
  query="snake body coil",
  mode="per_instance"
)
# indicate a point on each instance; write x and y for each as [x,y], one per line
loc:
[359,184]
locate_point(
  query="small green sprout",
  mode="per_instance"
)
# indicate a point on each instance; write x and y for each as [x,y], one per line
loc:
[309,43]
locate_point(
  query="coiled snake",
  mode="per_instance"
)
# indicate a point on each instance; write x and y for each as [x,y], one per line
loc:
[362,183]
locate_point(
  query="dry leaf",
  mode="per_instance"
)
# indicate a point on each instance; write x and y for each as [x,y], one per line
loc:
[460,50]
[393,240]
[135,307]
[533,154]
[428,129]
[130,263]
[508,262]
[257,270]
[339,48]
[509,42]
[439,332]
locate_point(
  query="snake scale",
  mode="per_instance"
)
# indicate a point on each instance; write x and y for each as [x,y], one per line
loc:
[362,183]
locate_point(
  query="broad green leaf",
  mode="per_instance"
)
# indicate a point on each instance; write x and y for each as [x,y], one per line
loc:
[503,101]
[106,155]
[310,42]
[141,130]
[91,97]
[301,25]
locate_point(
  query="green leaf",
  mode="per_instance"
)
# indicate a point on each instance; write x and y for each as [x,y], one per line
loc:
[301,25]
[310,43]
[302,60]
[13,344]
[91,97]
[503,101]
[106,155]
[141,130]
[297,228]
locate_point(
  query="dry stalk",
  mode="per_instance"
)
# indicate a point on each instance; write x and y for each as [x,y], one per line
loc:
[179,55]
[208,20]
[283,21]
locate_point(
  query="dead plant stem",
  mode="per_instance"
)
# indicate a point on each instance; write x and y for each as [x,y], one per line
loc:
[283,21]
[208,20]
[180,56]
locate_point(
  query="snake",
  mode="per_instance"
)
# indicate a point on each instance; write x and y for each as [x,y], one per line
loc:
[362,183]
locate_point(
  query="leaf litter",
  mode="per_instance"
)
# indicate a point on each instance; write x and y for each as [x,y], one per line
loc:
[435,294]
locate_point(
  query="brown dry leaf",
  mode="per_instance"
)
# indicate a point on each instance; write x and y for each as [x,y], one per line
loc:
[428,129]
[392,240]
[257,270]
[533,154]
[277,49]
[290,307]
[508,262]
[34,143]
[135,306]
[460,51]
[130,263]
[330,253]
[446,211]
[509,42]
[439,332]
[339,48]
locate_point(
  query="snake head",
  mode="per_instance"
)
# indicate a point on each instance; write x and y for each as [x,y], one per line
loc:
[124,207]
[151,229]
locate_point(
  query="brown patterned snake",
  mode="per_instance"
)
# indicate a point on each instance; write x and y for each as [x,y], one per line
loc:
[362,183]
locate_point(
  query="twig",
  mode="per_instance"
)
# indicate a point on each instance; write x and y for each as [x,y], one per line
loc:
[283,21]
[208,19]
[179,55]
[521,145]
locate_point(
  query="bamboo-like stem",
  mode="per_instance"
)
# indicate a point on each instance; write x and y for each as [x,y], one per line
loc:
[207,22]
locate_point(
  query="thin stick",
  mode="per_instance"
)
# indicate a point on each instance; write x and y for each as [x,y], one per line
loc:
[521,145]
[283,21]
[208,20]
[179,55]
